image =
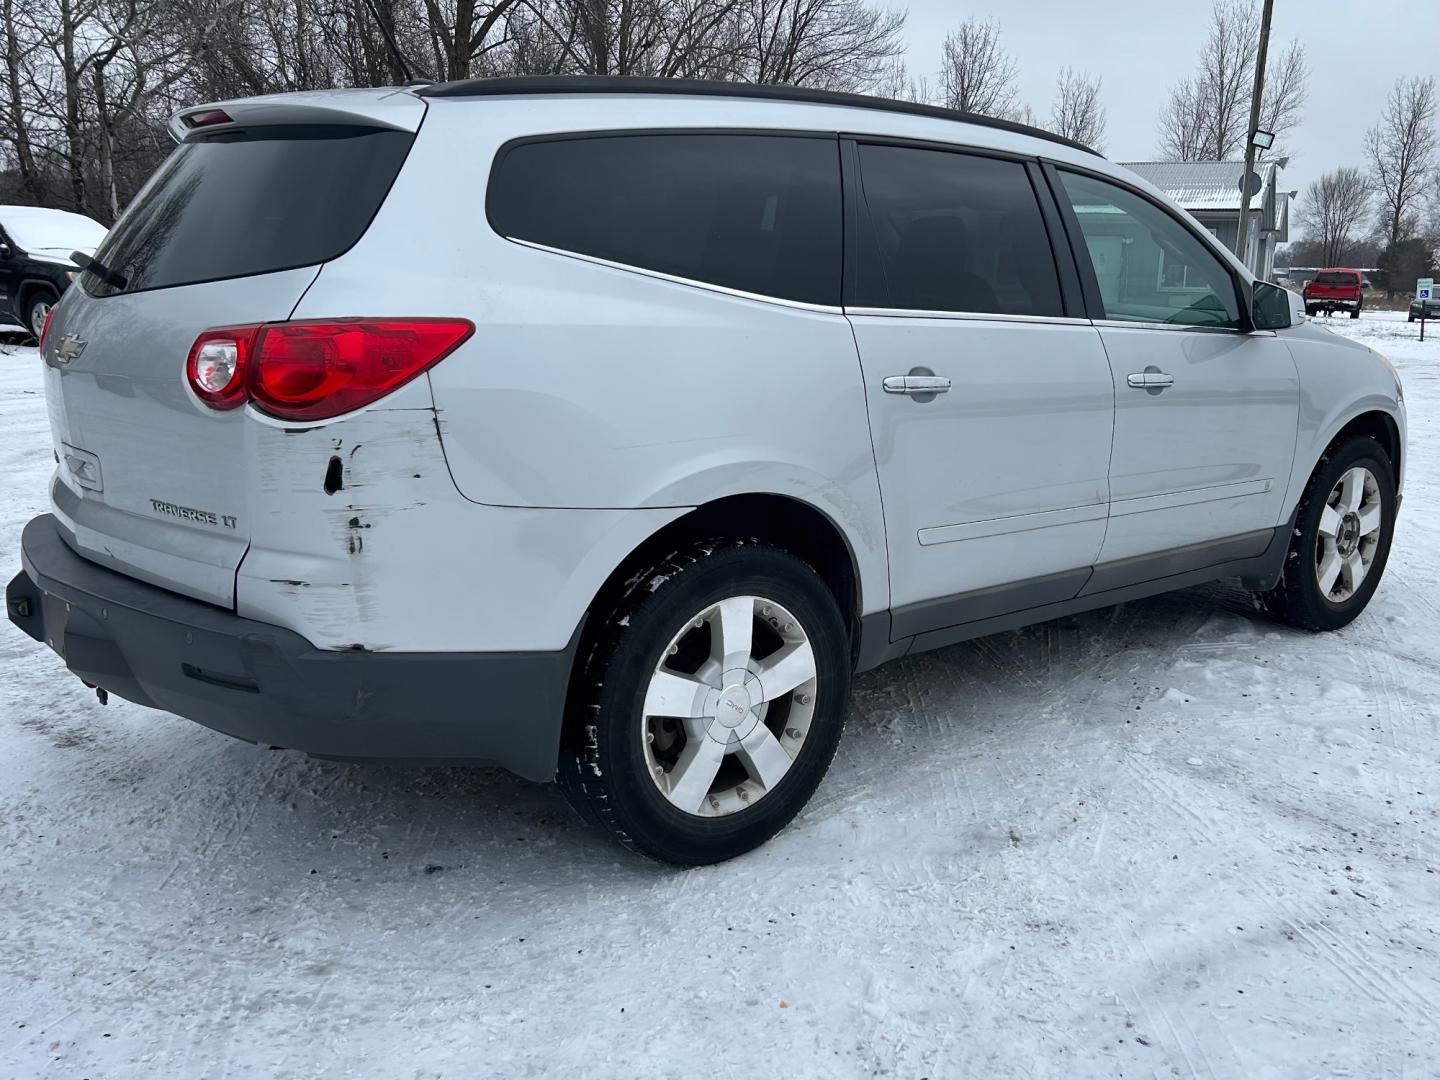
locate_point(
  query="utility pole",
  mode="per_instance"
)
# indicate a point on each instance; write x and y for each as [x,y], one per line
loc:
[1255,98]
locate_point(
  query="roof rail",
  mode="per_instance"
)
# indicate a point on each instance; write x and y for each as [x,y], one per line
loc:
[632,84]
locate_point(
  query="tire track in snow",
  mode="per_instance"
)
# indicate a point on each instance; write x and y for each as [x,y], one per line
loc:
[1356,967]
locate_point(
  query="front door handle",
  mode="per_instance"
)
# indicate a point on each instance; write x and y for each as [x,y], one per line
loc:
[1152,380]
[916,384]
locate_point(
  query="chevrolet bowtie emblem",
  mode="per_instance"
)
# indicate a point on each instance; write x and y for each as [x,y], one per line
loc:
[69,349]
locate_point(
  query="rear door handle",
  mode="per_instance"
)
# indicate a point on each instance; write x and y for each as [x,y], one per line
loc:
[916,384]
[1150,380]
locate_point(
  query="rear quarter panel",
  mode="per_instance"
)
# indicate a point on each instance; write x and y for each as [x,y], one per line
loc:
[591,387]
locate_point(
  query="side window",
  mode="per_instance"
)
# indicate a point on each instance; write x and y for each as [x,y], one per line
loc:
[953,232]
[1149,266]
[760,213]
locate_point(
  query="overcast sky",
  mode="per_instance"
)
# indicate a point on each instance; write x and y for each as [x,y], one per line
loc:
[1140,48]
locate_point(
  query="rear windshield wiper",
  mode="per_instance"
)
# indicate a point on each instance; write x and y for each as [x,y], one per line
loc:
[99,269]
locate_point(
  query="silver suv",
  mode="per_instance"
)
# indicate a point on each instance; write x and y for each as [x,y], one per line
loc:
[602,429]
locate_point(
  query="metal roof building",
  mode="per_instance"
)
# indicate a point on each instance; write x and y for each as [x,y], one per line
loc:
[1210,190]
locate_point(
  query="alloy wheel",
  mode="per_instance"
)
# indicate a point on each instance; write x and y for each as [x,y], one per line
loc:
[1349,534]
[728,706]
[38,310]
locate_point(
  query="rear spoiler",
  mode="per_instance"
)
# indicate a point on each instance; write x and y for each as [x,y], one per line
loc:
[398,110]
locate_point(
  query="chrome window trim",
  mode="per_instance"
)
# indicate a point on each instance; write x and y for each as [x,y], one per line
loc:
[967,316]
[1181,327]
[674,279]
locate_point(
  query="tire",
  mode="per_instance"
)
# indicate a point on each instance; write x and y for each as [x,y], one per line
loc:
[1300,599]
[35,306]
[613,750]
[1310,311]
[1355,313]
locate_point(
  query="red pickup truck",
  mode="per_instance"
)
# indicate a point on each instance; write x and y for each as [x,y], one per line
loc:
[1335,289]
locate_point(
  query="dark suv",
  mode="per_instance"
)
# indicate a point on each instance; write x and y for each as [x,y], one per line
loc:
[35,266]
[1429,308]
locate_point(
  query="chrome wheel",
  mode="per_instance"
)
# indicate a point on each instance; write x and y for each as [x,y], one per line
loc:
[1349,534]
[38,310]
[728,706]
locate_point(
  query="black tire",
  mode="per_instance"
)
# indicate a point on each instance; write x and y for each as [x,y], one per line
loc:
[31,303]
[1309,311]
[603,768]
[1298,599]
[1355,313]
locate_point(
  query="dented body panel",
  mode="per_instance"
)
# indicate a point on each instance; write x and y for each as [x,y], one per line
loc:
[395,559]
[582,386]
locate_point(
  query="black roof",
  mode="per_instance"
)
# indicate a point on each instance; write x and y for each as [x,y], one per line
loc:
[630,84]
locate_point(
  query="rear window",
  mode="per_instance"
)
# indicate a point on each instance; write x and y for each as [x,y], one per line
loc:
[759,213]
[251,202]
[1335,278]
[953,232]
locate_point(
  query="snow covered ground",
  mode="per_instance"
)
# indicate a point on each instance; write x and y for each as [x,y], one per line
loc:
[1169,839]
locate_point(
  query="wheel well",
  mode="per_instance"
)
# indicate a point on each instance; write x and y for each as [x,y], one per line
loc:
[31,286]
[783,522]
[26,292]
[1378,426]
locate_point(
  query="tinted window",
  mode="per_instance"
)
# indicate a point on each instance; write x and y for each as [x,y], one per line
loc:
[752,212]
[1150,268]
[953,232]
[1336,279]
[251,202]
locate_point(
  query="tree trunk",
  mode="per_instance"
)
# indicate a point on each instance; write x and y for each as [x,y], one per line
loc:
[107,153]
[74,151]
[19,121]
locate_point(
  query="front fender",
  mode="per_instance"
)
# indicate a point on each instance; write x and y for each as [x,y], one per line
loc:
[1340,381]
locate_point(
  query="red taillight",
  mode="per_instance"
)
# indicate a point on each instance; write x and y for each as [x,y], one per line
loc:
[45,327]
[316,370]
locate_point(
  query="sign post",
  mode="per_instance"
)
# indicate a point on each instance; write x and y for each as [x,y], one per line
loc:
[1424,290]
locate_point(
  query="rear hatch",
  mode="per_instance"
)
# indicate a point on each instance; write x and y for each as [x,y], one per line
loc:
[231,230]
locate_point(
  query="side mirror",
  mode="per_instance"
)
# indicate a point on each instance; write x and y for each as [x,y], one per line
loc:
[1298,314]
[1274,308]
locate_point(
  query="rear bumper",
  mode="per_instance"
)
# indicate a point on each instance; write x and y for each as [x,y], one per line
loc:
[1332,302]
[268,685]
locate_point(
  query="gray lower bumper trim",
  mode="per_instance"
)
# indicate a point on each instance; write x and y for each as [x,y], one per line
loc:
[269,685]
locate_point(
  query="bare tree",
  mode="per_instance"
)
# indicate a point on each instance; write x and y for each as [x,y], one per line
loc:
[832,44]
[1402,148]
[1077,112]
[1285,89]
[896,82]
[1334,211]
[15,111]
[87,85]
[461,31]
[1023,114]
[1206,115]
[977,75]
